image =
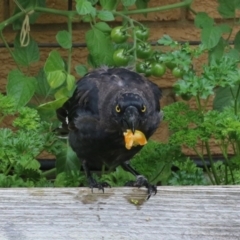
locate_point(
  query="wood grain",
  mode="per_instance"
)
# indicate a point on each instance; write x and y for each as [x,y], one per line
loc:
[75,213]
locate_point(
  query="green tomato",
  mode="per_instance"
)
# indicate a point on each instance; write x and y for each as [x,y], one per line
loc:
[157,57]
[144,67]
[121,57]
[177,72]
[119,34]
[141,33]
[170,65]
[140,67]
[158,69]
[148,68]
[144,50]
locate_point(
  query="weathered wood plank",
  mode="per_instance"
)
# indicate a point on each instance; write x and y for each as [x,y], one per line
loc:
[76,213]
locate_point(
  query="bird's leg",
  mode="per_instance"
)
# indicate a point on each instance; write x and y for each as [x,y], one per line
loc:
[92,182]
[140,180]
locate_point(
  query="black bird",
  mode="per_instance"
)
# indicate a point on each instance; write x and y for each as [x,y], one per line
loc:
[107,103]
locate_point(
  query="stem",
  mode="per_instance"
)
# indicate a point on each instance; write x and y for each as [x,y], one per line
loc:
[10,166]
[205,166]
[199,103]
[192,11]
[71,14]
[212,163]
[224,147]
[185,3]
[236,100]
[49,172]
[70,49]
[9,49]
[205,104]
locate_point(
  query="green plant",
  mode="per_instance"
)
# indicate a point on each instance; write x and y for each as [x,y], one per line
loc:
[55,82]
[142,33]
[21,143]
[121,57]
[158,69]
[187,174]
[154,161]
[119,34]
[218,78]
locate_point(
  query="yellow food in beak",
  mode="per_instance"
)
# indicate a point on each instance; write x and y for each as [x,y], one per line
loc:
[138,138]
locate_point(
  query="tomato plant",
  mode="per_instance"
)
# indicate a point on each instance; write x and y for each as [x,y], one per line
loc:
[119,34]
[140,67]
[177,72]
[142,33]
[121,57]
[158,69]
[170,65]
[144,50]
[144,67]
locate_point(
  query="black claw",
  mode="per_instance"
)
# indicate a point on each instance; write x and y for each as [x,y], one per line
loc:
[152,190]
[100,185]
[141,181]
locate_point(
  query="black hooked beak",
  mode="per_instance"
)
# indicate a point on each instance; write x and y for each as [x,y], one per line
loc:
[131,118]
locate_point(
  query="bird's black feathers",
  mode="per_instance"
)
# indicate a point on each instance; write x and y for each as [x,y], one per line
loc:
[96,114]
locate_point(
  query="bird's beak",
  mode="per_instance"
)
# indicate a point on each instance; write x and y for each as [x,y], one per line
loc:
[131,118]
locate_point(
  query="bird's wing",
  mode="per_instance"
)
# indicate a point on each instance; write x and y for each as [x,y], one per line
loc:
[83,102]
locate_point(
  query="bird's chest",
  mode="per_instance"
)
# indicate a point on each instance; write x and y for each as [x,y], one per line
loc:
[104,147]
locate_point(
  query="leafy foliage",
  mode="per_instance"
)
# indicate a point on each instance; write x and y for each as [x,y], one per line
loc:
[31,130]
[188,174]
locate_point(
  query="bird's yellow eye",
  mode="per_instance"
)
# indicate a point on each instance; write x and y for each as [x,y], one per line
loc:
[144,108]
[118,109]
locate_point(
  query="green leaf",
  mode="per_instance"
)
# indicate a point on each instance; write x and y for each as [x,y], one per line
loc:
[53,105]
[223,97]
[203,20]
[105,16]
[81,70]
[103,27]
[54,69]
[141,4]
[210,36]
[167,41]
[234,54]
[128,3]
[63,92]
[26,55]
[64,39]
[237,41]
[109,5]
[84,7]
[30,164]
[43,88]
[93,2]
[67,160]
[54,62]
[225,28]
[217,52]
[20,87]
[17,24]
[56,78]
[227,8]
[91,62]
[70,82]
[100,47]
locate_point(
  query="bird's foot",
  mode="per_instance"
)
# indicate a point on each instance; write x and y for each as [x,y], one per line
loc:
[100,185]
[141,181]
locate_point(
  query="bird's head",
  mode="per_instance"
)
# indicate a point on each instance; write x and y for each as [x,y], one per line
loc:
[129,111]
